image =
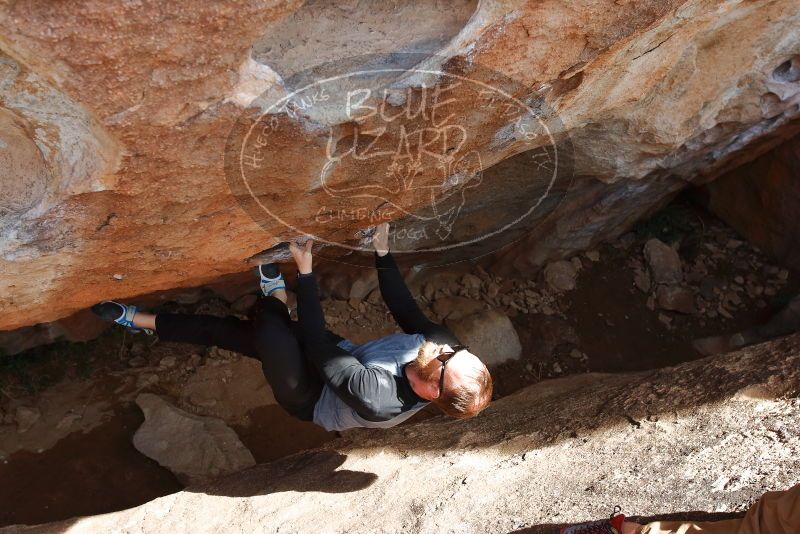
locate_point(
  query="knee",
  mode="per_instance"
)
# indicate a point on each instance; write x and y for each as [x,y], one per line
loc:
[276,338]
[294,389]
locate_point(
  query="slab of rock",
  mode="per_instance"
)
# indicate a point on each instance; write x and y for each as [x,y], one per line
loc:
[490,335]
[711,435]
[664,262]
[675,298]
[561,275]
[196,449]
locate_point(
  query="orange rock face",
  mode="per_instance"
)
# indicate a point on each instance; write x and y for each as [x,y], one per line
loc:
[121,123]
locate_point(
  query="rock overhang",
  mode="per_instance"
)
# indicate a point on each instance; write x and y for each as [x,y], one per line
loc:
[652,95]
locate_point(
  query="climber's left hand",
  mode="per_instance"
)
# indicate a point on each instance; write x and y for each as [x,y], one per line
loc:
[380,240]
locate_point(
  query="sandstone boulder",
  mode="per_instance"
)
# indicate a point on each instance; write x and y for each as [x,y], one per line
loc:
[490,335]
[561,275]
[126,160]
[196,449]
[664,262]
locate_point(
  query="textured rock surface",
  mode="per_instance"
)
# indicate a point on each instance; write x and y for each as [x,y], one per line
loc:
[454,308]
[115,116]
[560,275]
[663,261]
[195,448]
[761,200]
[227,387]
[489,334]
[709,435]
[675,298]
[228,391]
[26,418]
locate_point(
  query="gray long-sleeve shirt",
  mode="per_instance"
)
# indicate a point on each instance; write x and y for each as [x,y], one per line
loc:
[366,385]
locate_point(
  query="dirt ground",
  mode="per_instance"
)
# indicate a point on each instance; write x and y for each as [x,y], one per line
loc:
[81,461]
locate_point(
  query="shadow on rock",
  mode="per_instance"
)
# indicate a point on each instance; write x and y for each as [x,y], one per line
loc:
[303,472]
[578,406]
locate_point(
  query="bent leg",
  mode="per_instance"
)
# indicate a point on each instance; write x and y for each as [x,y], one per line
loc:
[227,333]
[295,383]
[776,512]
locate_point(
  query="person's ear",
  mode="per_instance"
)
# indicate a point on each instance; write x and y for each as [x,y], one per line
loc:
[433,389]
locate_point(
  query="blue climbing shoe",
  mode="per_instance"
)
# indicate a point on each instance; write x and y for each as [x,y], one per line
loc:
[271,279]
[122,314]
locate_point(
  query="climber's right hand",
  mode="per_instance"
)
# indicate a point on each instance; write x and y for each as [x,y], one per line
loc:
[302,256]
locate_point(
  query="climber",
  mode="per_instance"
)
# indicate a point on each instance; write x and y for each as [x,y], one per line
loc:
[776,512]
[318,376]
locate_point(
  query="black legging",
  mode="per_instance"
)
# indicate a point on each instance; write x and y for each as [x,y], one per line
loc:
[298,358]
[270,337]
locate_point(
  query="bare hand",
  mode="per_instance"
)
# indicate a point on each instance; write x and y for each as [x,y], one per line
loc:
[302,256]
[380,240]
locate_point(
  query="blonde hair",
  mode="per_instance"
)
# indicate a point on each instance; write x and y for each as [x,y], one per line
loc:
[472,396]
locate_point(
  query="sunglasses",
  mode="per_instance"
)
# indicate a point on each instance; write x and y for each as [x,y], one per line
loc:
[445,357]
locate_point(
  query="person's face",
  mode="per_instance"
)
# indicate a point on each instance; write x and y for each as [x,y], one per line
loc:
[442,366]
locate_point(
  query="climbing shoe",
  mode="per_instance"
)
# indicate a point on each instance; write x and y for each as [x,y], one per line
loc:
[607,526]
[271,279]
[122,314]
